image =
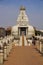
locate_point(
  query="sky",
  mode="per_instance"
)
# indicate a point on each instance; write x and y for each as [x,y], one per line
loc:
[9,11]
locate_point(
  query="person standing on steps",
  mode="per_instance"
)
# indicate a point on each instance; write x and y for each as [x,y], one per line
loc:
[33,40]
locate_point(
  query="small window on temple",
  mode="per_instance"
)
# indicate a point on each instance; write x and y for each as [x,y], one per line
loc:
[0,47]
[22,17]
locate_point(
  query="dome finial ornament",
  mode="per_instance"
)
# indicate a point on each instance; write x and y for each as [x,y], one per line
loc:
[22,8]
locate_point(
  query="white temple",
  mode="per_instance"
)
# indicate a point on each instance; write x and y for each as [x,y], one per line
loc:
[22,25]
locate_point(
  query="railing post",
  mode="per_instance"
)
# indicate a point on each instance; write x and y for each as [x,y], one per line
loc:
[38,45]
[41,46]
[1,55]
[8,48]
[5,51]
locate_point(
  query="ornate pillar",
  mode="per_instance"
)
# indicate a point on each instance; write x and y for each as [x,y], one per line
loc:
[26,31]
[19,31]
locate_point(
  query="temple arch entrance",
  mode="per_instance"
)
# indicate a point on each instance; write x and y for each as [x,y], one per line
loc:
[22,31]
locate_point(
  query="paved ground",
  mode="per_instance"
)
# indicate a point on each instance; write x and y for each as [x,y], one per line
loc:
[24,56]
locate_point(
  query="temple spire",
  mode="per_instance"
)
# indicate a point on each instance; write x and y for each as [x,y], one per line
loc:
[22,18]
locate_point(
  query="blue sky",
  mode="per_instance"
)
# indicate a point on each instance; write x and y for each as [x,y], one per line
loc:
[9,10]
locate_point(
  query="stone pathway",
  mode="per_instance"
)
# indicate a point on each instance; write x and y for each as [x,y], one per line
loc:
[24,55]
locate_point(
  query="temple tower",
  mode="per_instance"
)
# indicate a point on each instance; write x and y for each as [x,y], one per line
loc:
[22,26]
[22,19]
